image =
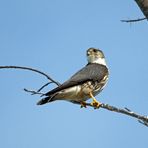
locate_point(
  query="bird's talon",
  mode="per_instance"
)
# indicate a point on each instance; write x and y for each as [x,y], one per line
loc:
[83,104]
[96,104]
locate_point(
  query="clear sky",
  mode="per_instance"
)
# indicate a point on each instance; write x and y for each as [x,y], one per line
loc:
[53,36]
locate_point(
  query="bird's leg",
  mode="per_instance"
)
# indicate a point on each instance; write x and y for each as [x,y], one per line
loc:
[94,103]
[83,104]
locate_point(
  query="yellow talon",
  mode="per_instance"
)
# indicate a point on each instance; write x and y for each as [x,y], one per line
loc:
[94,103]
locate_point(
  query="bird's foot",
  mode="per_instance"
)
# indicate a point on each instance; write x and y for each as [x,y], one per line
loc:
[95,104]
[83,104]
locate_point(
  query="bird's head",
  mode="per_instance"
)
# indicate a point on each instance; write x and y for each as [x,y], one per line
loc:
[95,56]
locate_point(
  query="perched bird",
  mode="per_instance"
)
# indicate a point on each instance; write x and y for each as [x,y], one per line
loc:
[83,85]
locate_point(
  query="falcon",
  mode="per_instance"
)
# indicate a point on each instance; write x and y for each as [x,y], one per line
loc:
[83,85]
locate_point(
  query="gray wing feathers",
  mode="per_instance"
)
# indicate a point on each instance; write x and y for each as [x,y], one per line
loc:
[94,72]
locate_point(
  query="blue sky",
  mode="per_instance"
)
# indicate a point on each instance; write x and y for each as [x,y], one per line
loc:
[53,36]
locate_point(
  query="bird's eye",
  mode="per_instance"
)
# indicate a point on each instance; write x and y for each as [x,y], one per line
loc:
[94,50]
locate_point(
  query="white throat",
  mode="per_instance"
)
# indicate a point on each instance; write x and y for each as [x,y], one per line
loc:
[98,61]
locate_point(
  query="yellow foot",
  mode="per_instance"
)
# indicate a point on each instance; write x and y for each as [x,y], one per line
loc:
[95,104]
[83,104]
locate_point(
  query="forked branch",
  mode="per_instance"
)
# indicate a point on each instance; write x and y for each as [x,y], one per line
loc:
[142,119]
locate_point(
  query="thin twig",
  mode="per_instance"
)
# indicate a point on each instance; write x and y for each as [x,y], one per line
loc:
[31,69]
[33,92]
[44,86]
[135,20]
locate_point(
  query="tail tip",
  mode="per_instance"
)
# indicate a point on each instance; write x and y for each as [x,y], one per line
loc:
[44,101]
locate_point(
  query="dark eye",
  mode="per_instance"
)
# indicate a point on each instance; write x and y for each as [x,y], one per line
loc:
[94,50]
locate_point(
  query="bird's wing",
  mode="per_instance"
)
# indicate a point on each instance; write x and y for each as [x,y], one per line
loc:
[91,72]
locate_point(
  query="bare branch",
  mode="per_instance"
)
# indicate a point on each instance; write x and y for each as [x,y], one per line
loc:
[126,111]
[33,92]
[44,86]
[31,69]
[143,5]
[135,20]
[142,119]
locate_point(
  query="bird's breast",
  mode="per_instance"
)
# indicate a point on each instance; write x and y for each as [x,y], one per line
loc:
[99,86]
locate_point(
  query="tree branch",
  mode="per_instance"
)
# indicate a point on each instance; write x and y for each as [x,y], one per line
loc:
[141,119]
[31,69]
[34,92]
[143,5]
[135,20]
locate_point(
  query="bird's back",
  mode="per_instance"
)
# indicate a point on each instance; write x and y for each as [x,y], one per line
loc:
[91,72]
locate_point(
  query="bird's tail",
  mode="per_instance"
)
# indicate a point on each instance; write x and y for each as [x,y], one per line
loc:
[45,100]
